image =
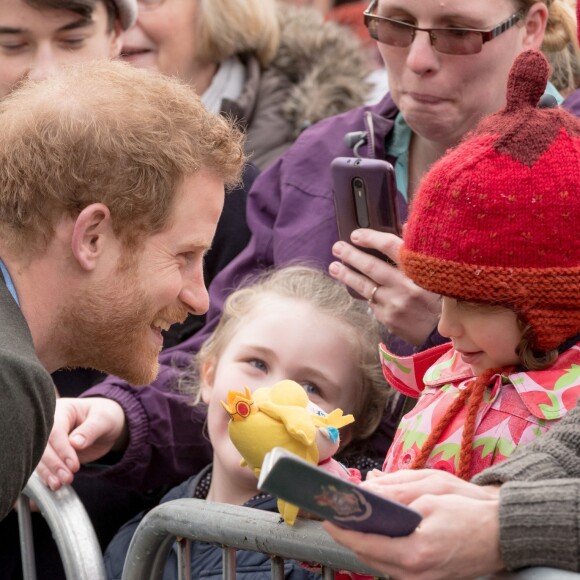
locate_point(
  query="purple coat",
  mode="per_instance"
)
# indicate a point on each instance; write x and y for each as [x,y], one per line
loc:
[290,212]
[572,103]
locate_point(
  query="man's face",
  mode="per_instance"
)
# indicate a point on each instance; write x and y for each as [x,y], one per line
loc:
[34,42]
[115,325]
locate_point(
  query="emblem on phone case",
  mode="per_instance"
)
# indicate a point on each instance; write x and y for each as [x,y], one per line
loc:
[348,505]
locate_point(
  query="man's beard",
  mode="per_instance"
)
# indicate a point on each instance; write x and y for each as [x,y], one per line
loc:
[108,328]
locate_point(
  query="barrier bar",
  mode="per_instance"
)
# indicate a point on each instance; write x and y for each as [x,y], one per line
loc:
[71,528]
[238,527]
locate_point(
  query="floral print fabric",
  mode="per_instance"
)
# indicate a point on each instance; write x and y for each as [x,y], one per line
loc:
[516,408]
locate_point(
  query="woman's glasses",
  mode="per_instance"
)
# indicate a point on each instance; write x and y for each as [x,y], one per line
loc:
[446,40]
[145,5]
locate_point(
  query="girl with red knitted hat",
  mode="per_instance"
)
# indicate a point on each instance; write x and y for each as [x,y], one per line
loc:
[493,229]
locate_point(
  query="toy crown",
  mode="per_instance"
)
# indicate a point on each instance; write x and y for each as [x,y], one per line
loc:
[240,405]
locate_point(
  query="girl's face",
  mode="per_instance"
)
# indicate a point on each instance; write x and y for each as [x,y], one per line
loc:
[442,96]
[281,339]
[485,336]
[163,40]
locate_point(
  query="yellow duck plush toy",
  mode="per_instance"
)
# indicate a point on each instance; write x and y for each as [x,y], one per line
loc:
[282,416]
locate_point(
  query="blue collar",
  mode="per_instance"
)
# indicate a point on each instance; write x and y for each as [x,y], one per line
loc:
[9,283]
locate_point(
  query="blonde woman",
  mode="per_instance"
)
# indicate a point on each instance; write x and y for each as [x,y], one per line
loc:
[275,69]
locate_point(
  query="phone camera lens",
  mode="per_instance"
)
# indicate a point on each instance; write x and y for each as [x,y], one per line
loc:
[360,202]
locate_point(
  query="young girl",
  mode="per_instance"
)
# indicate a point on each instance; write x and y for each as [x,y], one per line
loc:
[295,323]
[494,230]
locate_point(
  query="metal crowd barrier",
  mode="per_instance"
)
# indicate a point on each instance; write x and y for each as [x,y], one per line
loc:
[231,527]
[236,527]
[71,528]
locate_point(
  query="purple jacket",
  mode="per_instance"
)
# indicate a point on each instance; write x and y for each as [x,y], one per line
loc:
[572,103]
[290,212]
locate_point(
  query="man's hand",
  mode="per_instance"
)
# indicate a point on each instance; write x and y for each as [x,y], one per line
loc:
[458,537]
[84,430]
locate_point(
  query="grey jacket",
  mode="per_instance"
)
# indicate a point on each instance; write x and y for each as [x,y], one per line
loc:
[296,90]
[540,499]
[27,401]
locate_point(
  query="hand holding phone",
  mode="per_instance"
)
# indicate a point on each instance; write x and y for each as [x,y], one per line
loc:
[365,196]
[345,504]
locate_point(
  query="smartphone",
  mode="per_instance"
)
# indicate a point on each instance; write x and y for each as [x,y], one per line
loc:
[365,196]
[340,501]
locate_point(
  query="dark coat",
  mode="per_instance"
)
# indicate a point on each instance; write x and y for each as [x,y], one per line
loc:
[27,401]
[206,559]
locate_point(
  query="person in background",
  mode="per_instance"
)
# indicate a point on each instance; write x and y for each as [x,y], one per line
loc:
[572,102]
[82,251]
[37,36]
[329,346]
[275,69]
[427,107]
[563,52]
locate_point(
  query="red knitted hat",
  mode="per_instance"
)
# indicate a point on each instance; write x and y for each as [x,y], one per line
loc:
[497,219]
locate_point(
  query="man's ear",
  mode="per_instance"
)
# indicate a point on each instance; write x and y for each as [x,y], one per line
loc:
[116,40]
[92,227]
[206,380]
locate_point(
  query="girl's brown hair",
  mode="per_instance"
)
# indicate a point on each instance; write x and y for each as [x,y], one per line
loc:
[531,359]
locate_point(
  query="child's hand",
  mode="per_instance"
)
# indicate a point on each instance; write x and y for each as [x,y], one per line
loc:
[373,473]
[407,485]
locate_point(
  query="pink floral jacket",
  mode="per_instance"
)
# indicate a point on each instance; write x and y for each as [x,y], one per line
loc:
[516,408]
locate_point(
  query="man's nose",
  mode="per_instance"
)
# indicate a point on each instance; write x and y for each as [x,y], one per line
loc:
[194,294]
[43,65]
